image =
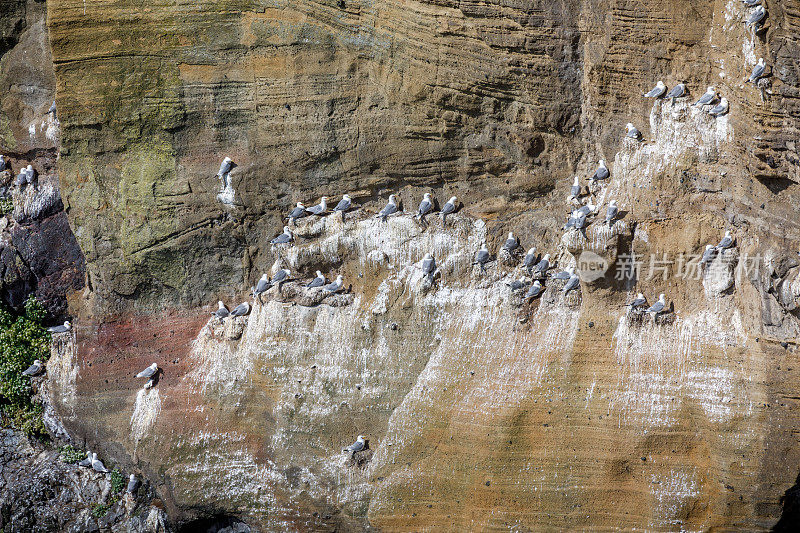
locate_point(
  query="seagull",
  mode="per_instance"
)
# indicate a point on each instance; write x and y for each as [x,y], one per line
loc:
[320,208]
[425,207]
[284,237]
[708,97]
[318,281]
[31,176]
[357,446]
[564,274]
[631,132]
[148,372]
[518,284]
[726,242]
[241,309]
[756,16]
[657,307]
[751,3]
[530,259]
[534,290]
[336,286]
[224,170]
[35,369]
[587,209]
[601,173]
[543,265]
[22,178]
[98,465]
[428,266]
[222,311]
[708,255]
[758,71]
[52,109]
[3,164]
[448,208]
[343,205]
[389,209]
[720,109]
[63,328]
[573,283]
[482,257]
[298,212]
[262,285]
[133,484]
[639,301]
[279,277]
[576,188]
[511,243]
[657,91]
[611,212]
[676,92]
[87,463]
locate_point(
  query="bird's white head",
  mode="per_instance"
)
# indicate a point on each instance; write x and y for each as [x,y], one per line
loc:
[577,181]
[37,362]
[511,235]
[591,206]
[220,304]
[546,257]
[531,250]
[29,167]
[94,456]
[392,199]
[711,90]
[67,324]
[640,296]
[660,84]
[361,438]
[723,102]
[629,126]
[154,366]
[761,61]
[612,203]
[728,234]
[452,200]
[484,248]
[132,477]
[346,196]
[709,246]
[571,269]
[300,204]
[537,283]
[661,298]
[287,230]
[227,160]
[602,163]
[323,199]
[319,274]
[427,196]
[339,278]
[428,256]
[264,277]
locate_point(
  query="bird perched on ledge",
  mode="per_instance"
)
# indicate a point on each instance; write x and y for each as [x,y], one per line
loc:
[657,91]
[449,207]
[357,446]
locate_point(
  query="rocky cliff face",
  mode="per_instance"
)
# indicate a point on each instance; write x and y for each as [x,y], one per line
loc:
[482,410]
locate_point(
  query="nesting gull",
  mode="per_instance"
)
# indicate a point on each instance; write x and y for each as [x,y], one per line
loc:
[482,257]
[241,309]
[3,164]
[298,212]
[320,208]
[601,173]
[611,212]
[676,92]
[279,277]
[52,110]
[428,266]
[576,188]
[543,265]
[133,484]
[86,463]
[518,284]
[343,205]
[572,284]
[708,254]
[751,3]
[148,372]
[448,208]
[726,242]
[35,369]
[284,237]
[511,244]
[318,281]
[709,97]
[757,72]
[657,91]
[389,209]
[564,275]
[587,209]
[425,207]
[31,176]
[720,109]
[224,170]
[63,328]
[97,465]
[639,301]
[632,133]
[222,311]
[262,285]
[657,307]
[534,290]
[756,16]
[530,259]
[357,446]
[336,286]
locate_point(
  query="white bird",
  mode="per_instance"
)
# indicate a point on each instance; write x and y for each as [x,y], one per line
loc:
[639,301]
[31,175]
[97,465]
[283,238]
[344,204]
[756,16]
[573,283]
[22,179]
[758,71]
[222,311]
[318,281]
[676,92]
[224,170]
[530,259]
[482,257]
[52,109]
[448,208]
[389,209]
[534,290]
[262,285]
[657,91]
[280,276]
[298,212]
[241,309]
[543,265]
[133,484]
[564,275]
[320,208]
[425,207]
[357,446]
[708,97]
[657,307]
[35,369]
[708,254]
[631,132]
[148,372]
[576,188]
[336,286]
[601,173]
[63,328]
[518,284]
[86,463]
[428,266]
[511,243]
[611,212]
[726,242]
[720,109]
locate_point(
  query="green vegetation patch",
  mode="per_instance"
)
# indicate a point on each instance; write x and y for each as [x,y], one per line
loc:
[70,454]
[23,339]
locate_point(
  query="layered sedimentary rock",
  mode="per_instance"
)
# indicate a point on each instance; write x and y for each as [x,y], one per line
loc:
[482,411]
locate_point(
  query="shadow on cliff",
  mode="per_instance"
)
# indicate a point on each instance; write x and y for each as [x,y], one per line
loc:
[790,516]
